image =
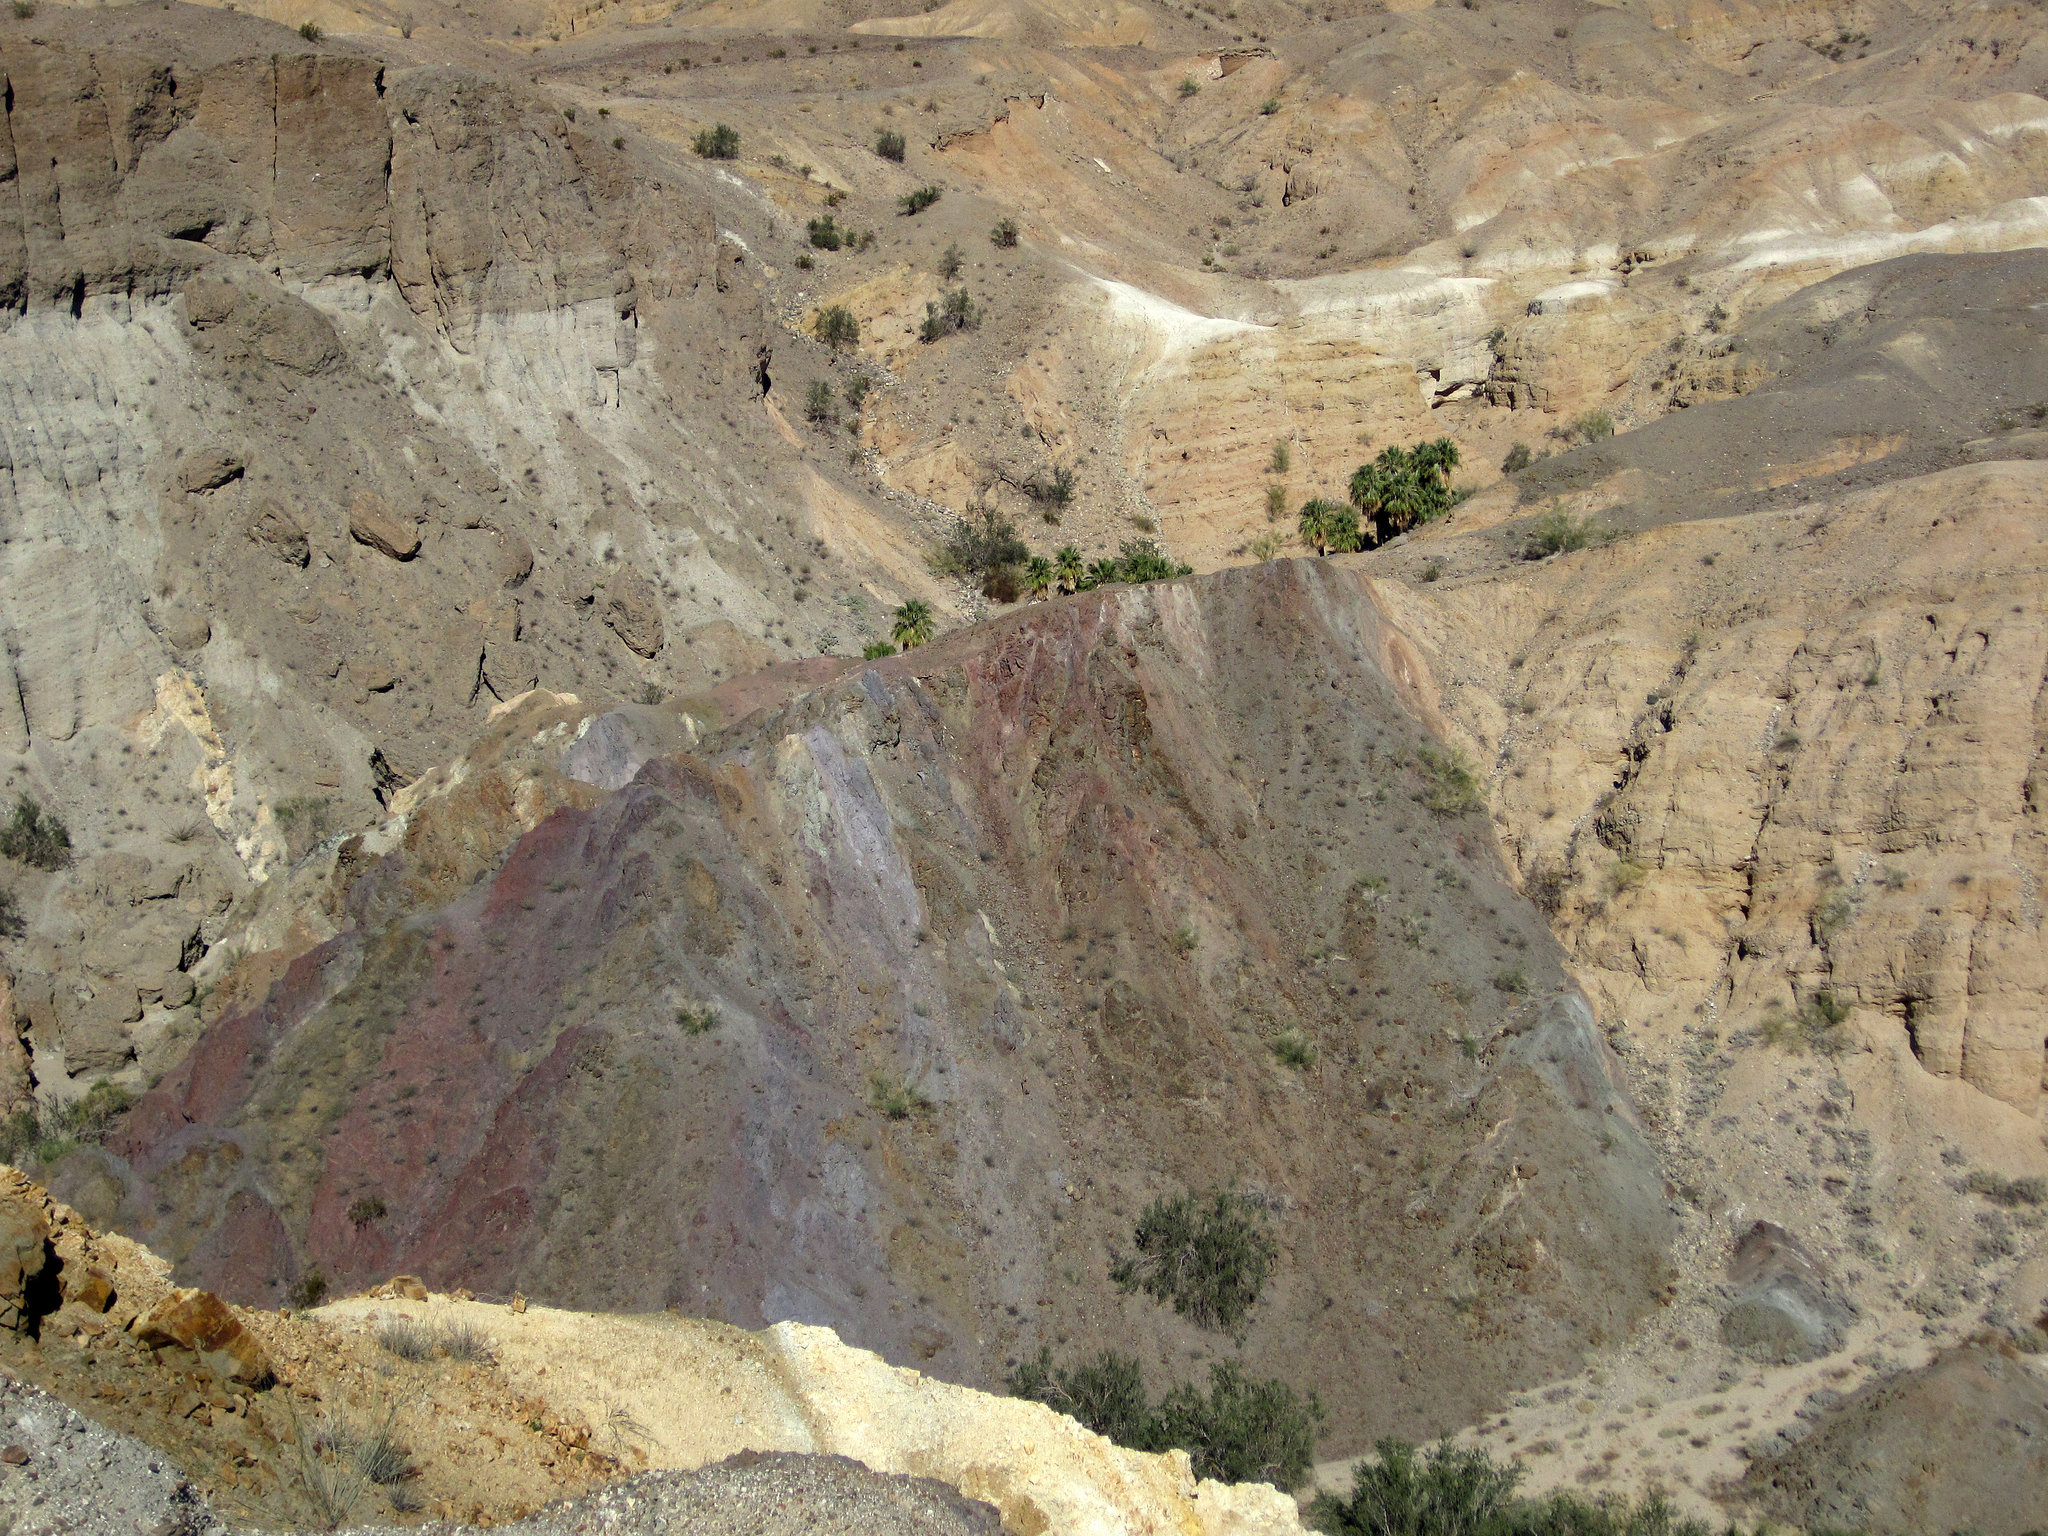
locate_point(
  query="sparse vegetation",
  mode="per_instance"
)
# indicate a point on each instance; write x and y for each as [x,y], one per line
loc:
[1594,426]
[1816,1024]
[1243,1430]
[951,260]
[1292,1049]
[11,924]
[1559,533]
[954,311]
[1207,1256]
[824,233]
[911,204]
[2004,1191]
[984,547]
[896,1100]
[820,403]
[1053,490]
[721,142]
[308,1291]
[44,1133]
[889,145]
[1187,84]
[1283,458]
[837,327]
[1519,458]
[697,1020]
[418,1341]
[875,650]
[1449,786]
[1452,1490]
[35,838]
[310,31]
[363,1211]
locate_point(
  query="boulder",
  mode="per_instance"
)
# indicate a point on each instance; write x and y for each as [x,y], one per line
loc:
[207,469]
[371,521]
[279,533]
[201,1322]
[89,1287]
[632,611]
[407,1288]
[1784,1310]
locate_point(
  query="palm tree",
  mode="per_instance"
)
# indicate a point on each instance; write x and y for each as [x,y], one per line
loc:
[1038,575]
[914,625]
[1066,568]
[1315,523]
[1340,527]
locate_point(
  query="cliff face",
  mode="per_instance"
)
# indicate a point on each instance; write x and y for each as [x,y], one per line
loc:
[338,404]
[1059,886]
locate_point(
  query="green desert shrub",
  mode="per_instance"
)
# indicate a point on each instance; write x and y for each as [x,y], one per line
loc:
[717,143]
[1242,1430]
[889,145]
[837,326]
[1454,1490]
[1207,1256]
[1004,233]
[911,204]
[1559,533]
[824,233]
[34,837]
[1450,788]
[954,311]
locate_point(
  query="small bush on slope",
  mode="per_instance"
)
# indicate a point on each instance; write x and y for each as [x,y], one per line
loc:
[1242,1431]
[1458,1491]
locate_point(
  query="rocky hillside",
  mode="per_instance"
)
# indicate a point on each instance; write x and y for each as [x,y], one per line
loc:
[1596,936]
[892,1004]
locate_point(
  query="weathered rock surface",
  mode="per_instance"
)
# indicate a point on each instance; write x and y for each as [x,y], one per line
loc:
[200,1321]
[708,1396]
[1784,1309]
[1043,875]
[1960,1444]
[372,522]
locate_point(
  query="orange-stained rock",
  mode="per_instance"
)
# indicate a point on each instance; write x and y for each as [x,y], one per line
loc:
[201,1322]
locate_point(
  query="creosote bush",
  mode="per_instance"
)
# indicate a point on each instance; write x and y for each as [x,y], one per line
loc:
[837,327]
[1454,1490]
[1207,1256]
[954,312]
[1449,785]
[310,31]
[717,143]
[1004,234]
[889,145]
[914,203]
[824,233]
[34,837]
[819,403]
[1519,458]
[1242,1431]
[1559,533]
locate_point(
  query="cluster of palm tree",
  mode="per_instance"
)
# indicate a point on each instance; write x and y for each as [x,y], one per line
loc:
[1397,490]
[1139,560]
[1405,486]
